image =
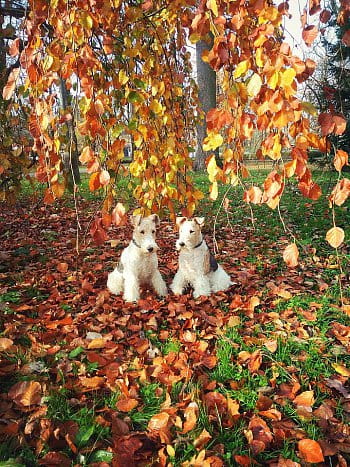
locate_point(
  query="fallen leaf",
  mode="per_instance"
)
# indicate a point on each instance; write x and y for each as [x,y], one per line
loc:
[126,405]
[310,451]
[5,344]
[26,393]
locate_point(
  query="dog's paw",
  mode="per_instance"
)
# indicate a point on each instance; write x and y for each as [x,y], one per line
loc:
[131,298]
[177,290]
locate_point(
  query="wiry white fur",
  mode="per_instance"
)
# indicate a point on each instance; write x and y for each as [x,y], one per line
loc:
[138,262]
[193,262]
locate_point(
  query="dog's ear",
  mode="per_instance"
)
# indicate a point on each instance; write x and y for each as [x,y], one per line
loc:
[199,221]
[136,220]
[155,219]
[180,220]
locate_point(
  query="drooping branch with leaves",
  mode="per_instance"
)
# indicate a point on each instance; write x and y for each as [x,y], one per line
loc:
[127,69]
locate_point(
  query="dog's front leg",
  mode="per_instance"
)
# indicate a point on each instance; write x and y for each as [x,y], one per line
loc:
[201,286]
[178,284]
[131,287]
[159,284]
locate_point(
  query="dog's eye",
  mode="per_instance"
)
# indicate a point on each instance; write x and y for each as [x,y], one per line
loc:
[153,231]
[142,231]
[191,231]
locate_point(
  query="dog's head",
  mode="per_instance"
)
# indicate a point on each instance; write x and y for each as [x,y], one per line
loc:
[190,234]
[144,234]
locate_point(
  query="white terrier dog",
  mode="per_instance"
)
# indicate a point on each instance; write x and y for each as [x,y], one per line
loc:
[197,267]
[138,263]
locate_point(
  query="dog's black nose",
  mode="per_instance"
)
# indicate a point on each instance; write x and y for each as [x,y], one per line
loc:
[181,244]
[150,249]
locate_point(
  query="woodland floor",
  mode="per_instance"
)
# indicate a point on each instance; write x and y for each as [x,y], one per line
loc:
[259,375]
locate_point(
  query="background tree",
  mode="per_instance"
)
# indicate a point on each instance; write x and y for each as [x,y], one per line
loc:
[206,81]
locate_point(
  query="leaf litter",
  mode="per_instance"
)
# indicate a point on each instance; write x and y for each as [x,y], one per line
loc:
[89,378]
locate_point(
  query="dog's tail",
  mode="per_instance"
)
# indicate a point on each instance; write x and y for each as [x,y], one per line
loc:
[115,282]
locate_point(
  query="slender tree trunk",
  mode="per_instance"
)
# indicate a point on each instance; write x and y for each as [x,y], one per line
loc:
[206,80]
[71,163]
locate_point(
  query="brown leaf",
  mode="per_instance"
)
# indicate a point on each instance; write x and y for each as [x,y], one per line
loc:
[325,16]
[55,458]
[310,451]
[346,38]
[126,405]
[26,393]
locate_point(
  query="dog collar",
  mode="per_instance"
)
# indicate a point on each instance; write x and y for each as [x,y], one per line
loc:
[134,242]
[199,244]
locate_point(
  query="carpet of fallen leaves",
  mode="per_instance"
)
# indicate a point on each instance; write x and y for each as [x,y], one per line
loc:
[146,375]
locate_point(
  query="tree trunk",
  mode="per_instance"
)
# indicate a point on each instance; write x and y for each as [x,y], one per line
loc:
[206,80]
[71,162]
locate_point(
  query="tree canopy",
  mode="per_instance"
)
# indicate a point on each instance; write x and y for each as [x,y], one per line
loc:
[127,71]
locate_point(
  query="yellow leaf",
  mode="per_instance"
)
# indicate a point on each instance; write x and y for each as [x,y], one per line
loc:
[341,369]
[258,57]
[214,191]
[254,85]
[273,80]
[335,236]
[47,63]
[241,68]
[86,20]
[156,106]
[123,77]
[212,141]
[153,160]
[309,108]
[287,77]
[170,450]
[212,168]
[290,168]
[212,5]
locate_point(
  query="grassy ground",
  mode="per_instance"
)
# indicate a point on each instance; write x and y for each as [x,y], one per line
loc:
[239,378]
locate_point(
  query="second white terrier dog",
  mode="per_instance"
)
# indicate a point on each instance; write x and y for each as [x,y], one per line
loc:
[197,267]
[138,263]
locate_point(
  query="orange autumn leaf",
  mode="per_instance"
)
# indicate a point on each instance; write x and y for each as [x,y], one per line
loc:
[291,255]
[5,344]
[10,86]
[158,421]
[92,383]
[94,181]
[340,159]
[310,451]
[118,215]
[191,415]
[26,393]
[62,267]
[309,34]
[305,399]
[126,405]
